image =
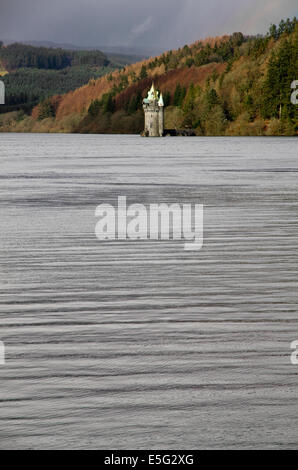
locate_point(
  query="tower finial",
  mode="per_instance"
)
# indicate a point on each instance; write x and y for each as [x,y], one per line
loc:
[152,93]
[160,101]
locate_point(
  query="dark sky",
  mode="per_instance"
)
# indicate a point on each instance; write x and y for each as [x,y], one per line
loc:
[163,24]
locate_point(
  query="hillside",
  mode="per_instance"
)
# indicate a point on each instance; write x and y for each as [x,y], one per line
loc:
[33,74]
[231,85]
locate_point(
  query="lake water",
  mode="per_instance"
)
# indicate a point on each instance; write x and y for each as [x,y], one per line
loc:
[140,344]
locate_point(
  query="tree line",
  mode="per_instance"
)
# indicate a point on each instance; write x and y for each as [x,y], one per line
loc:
[15,56]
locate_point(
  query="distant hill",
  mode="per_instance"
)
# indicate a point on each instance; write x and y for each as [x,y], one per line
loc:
[124,59]
[228,85]
[48,44]
[32,74]
[16,56]
[123,55]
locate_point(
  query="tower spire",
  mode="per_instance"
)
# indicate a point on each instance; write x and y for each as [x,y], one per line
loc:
[152,93]
[160,101]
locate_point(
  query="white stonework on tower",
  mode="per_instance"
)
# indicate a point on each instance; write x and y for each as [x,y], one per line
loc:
[153,107]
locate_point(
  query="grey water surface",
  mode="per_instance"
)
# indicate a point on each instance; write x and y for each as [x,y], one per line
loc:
[141,344]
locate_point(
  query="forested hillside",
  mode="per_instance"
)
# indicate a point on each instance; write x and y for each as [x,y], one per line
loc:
[230,85]
[33,74]
[25,88]
[16,56]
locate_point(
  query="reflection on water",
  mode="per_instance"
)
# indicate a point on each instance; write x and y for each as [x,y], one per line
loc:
[140,344]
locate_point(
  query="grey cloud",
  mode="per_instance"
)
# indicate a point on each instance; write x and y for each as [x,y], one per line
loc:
[160,23]
[143,27]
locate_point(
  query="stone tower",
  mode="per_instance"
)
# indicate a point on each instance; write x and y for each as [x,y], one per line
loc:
[153,107]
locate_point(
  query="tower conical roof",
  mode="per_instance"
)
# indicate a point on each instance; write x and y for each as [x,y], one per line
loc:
[160,101]
[152,93]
